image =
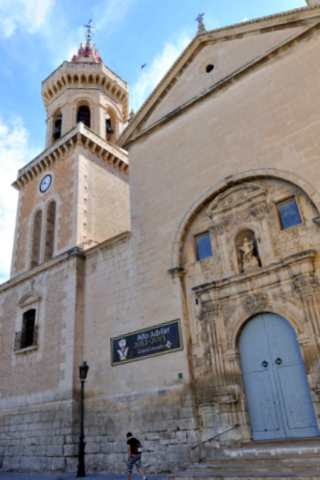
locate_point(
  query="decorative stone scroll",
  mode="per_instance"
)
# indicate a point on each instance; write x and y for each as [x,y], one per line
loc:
[306,284]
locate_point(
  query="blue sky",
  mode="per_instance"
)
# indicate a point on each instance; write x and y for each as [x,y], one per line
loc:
[37,35]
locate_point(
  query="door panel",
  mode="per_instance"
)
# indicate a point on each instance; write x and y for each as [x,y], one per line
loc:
[298,408]
[276,385]
[261,397]
[262,406]
[282,340]
[252,358]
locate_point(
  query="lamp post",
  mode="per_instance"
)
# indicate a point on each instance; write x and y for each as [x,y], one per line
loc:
[83,372]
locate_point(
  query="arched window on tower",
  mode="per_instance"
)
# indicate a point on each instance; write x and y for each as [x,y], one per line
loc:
[50,230]
[36,239]
[57,126]
[109,128]
[83,115]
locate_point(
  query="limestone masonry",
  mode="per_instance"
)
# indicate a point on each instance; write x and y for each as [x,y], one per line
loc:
[177,252]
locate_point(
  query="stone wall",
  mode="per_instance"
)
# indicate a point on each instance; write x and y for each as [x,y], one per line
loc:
[38,438]
[163,422]
[36,409]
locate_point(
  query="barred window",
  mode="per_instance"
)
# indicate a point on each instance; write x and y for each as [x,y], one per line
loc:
[28,336]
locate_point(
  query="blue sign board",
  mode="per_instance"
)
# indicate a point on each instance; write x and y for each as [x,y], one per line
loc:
[164,338]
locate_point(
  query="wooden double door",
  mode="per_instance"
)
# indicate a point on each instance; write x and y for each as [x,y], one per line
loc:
[276,386]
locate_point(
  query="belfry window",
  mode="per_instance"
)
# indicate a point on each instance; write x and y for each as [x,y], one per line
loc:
[109,127]
[50,230]
[36,239]
[27,337]
[83,115]
[289,213]
[57,126]
[203,246]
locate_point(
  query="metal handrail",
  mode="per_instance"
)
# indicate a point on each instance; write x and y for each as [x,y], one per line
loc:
[237,425]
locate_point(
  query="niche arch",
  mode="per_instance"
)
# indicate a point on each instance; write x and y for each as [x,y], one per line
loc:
[175,261]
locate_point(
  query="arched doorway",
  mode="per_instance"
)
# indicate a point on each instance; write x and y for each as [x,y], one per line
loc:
[276,385]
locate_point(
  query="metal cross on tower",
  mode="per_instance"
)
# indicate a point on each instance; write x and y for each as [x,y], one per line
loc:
[89,32]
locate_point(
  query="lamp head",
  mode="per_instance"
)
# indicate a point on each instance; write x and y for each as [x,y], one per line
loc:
[83,370]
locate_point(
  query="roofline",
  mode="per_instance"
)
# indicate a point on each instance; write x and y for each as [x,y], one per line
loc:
[83,63]
[291,16]
[79,135]
[76,251]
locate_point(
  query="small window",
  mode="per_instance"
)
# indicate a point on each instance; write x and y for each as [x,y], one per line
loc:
[83,115]
[203,246]
[289,213]
[209,68]
[28,335]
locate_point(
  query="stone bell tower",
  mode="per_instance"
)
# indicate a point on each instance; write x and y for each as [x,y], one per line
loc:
[75,193]
[85,90]
[313,3]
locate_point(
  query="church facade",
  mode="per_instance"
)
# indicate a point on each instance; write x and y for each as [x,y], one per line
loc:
[175,251]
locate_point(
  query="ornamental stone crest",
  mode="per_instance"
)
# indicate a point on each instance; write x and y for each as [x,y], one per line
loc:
[234,197]
[255,303]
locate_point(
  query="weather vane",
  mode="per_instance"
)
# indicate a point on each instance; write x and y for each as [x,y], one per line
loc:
[199,19]
[89,32]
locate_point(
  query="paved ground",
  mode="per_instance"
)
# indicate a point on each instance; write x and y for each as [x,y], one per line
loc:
[72,476]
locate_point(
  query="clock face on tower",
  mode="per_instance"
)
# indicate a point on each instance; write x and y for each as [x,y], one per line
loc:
[45,183]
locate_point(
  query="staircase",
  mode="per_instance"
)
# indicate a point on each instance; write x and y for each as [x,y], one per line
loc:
[296,459]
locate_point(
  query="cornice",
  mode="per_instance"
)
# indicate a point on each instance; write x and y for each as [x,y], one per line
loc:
[286,266]
[74,252]
[299,16]
[85,75]
[109,242]
[49,265]
[79,135]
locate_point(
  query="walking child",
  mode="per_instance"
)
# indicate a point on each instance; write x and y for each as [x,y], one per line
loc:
[134,456]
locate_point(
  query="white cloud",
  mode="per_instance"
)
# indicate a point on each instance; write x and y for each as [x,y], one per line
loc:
[156,69]
[109,13]
[29,15]
[14,153]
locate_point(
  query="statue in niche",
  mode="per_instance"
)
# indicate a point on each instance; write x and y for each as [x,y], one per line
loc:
[247,251]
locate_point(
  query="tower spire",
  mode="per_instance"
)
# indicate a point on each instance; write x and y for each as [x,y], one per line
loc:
[87,53]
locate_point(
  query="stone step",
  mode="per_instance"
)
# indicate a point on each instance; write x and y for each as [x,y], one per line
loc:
[273,450]
[253,473]
[298,459]
[304,467]
[240,475]
[269,462]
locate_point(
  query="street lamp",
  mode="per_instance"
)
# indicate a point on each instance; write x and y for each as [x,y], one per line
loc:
[83,372]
